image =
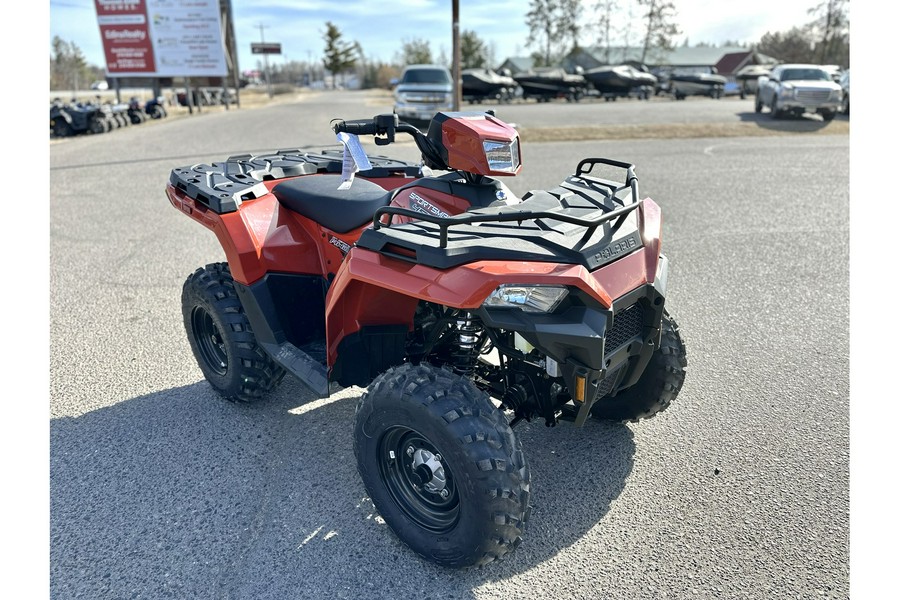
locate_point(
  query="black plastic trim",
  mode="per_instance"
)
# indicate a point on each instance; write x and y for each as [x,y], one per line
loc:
[286,311]
[363,355]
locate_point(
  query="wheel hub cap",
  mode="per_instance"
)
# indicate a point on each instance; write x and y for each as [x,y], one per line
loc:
[430,471]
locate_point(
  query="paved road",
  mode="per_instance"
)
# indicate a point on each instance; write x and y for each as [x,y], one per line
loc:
[741,490]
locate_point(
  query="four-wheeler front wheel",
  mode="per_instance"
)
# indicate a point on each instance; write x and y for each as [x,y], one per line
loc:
[657,387]
[442,466]
[98,125]
[222,339]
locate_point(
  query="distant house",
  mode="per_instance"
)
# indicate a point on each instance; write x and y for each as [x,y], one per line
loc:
[731,63]
[597,56]
[727,60]
[517,64]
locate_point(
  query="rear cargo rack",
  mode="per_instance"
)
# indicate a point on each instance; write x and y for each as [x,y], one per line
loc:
[223,186]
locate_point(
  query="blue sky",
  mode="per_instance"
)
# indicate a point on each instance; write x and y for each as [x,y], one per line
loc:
[382,27]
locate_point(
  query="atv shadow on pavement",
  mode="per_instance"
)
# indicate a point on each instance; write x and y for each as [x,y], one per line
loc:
[178,493]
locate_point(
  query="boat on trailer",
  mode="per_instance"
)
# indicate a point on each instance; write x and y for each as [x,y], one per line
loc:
[621,80]
[548,84]
[697,81]
[486,84]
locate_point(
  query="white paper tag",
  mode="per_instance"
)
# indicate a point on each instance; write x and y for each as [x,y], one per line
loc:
[355,158]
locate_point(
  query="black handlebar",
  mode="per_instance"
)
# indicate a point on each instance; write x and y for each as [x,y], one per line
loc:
[383,128]
[358,127]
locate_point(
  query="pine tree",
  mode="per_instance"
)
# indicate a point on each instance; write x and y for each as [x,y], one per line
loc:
[340,55]
[472,50]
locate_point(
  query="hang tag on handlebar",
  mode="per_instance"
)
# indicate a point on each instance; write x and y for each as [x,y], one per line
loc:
[355,158]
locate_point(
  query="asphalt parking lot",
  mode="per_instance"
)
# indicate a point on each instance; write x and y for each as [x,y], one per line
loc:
[741,489]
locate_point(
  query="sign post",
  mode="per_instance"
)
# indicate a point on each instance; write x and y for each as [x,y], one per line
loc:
[265,49]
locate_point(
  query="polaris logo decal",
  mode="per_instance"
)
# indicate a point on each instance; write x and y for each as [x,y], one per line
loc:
[626,244]
[341,245]
[420,204]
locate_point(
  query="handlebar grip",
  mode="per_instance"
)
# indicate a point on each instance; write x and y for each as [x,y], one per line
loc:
[358,127]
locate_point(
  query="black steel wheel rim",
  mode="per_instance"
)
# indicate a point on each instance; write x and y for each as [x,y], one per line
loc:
[209,340]
[430,510]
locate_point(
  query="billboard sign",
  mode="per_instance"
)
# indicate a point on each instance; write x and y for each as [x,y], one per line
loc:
[265,48]
[162,38]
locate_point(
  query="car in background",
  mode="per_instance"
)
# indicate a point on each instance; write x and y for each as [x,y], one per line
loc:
[100,85]
[845,87]
[795,89]
[423,91]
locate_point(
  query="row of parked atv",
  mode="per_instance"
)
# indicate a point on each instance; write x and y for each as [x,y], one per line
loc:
[75,118]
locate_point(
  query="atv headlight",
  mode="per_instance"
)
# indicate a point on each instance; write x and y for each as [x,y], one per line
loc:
[502,156]
[530,298]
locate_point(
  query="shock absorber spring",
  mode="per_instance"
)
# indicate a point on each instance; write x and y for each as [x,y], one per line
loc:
[469,338]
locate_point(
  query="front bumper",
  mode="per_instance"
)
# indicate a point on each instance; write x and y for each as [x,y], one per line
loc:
[805,107]
[419,110]
[598,351]
[809,101]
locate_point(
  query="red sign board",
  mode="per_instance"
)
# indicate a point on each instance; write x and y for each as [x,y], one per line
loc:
[265,48]
[162,38]
[126,36]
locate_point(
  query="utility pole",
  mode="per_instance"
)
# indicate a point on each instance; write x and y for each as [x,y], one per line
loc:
[262,38]
[457,92]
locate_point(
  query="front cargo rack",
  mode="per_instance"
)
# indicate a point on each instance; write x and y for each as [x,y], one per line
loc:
[583,200]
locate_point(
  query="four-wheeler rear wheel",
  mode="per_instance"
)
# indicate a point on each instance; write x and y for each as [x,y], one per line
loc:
[759,104]
[221,338]
[442,466]
[657,387]
[61,128]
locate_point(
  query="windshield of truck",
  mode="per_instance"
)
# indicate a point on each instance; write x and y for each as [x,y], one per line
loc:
[426,76]
[805,75]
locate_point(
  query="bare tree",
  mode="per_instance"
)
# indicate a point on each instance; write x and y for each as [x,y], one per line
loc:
[68,68]
[554,27]
[607,10]
[661,28]
[831,29]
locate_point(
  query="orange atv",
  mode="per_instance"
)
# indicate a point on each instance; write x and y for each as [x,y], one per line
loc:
[462,309]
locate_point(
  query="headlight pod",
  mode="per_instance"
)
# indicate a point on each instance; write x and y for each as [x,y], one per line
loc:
[529,298]
[502,157]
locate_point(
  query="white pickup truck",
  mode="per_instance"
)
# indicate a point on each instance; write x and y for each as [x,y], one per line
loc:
[797,89]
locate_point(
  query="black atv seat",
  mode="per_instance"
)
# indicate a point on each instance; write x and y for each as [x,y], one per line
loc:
[318,197]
